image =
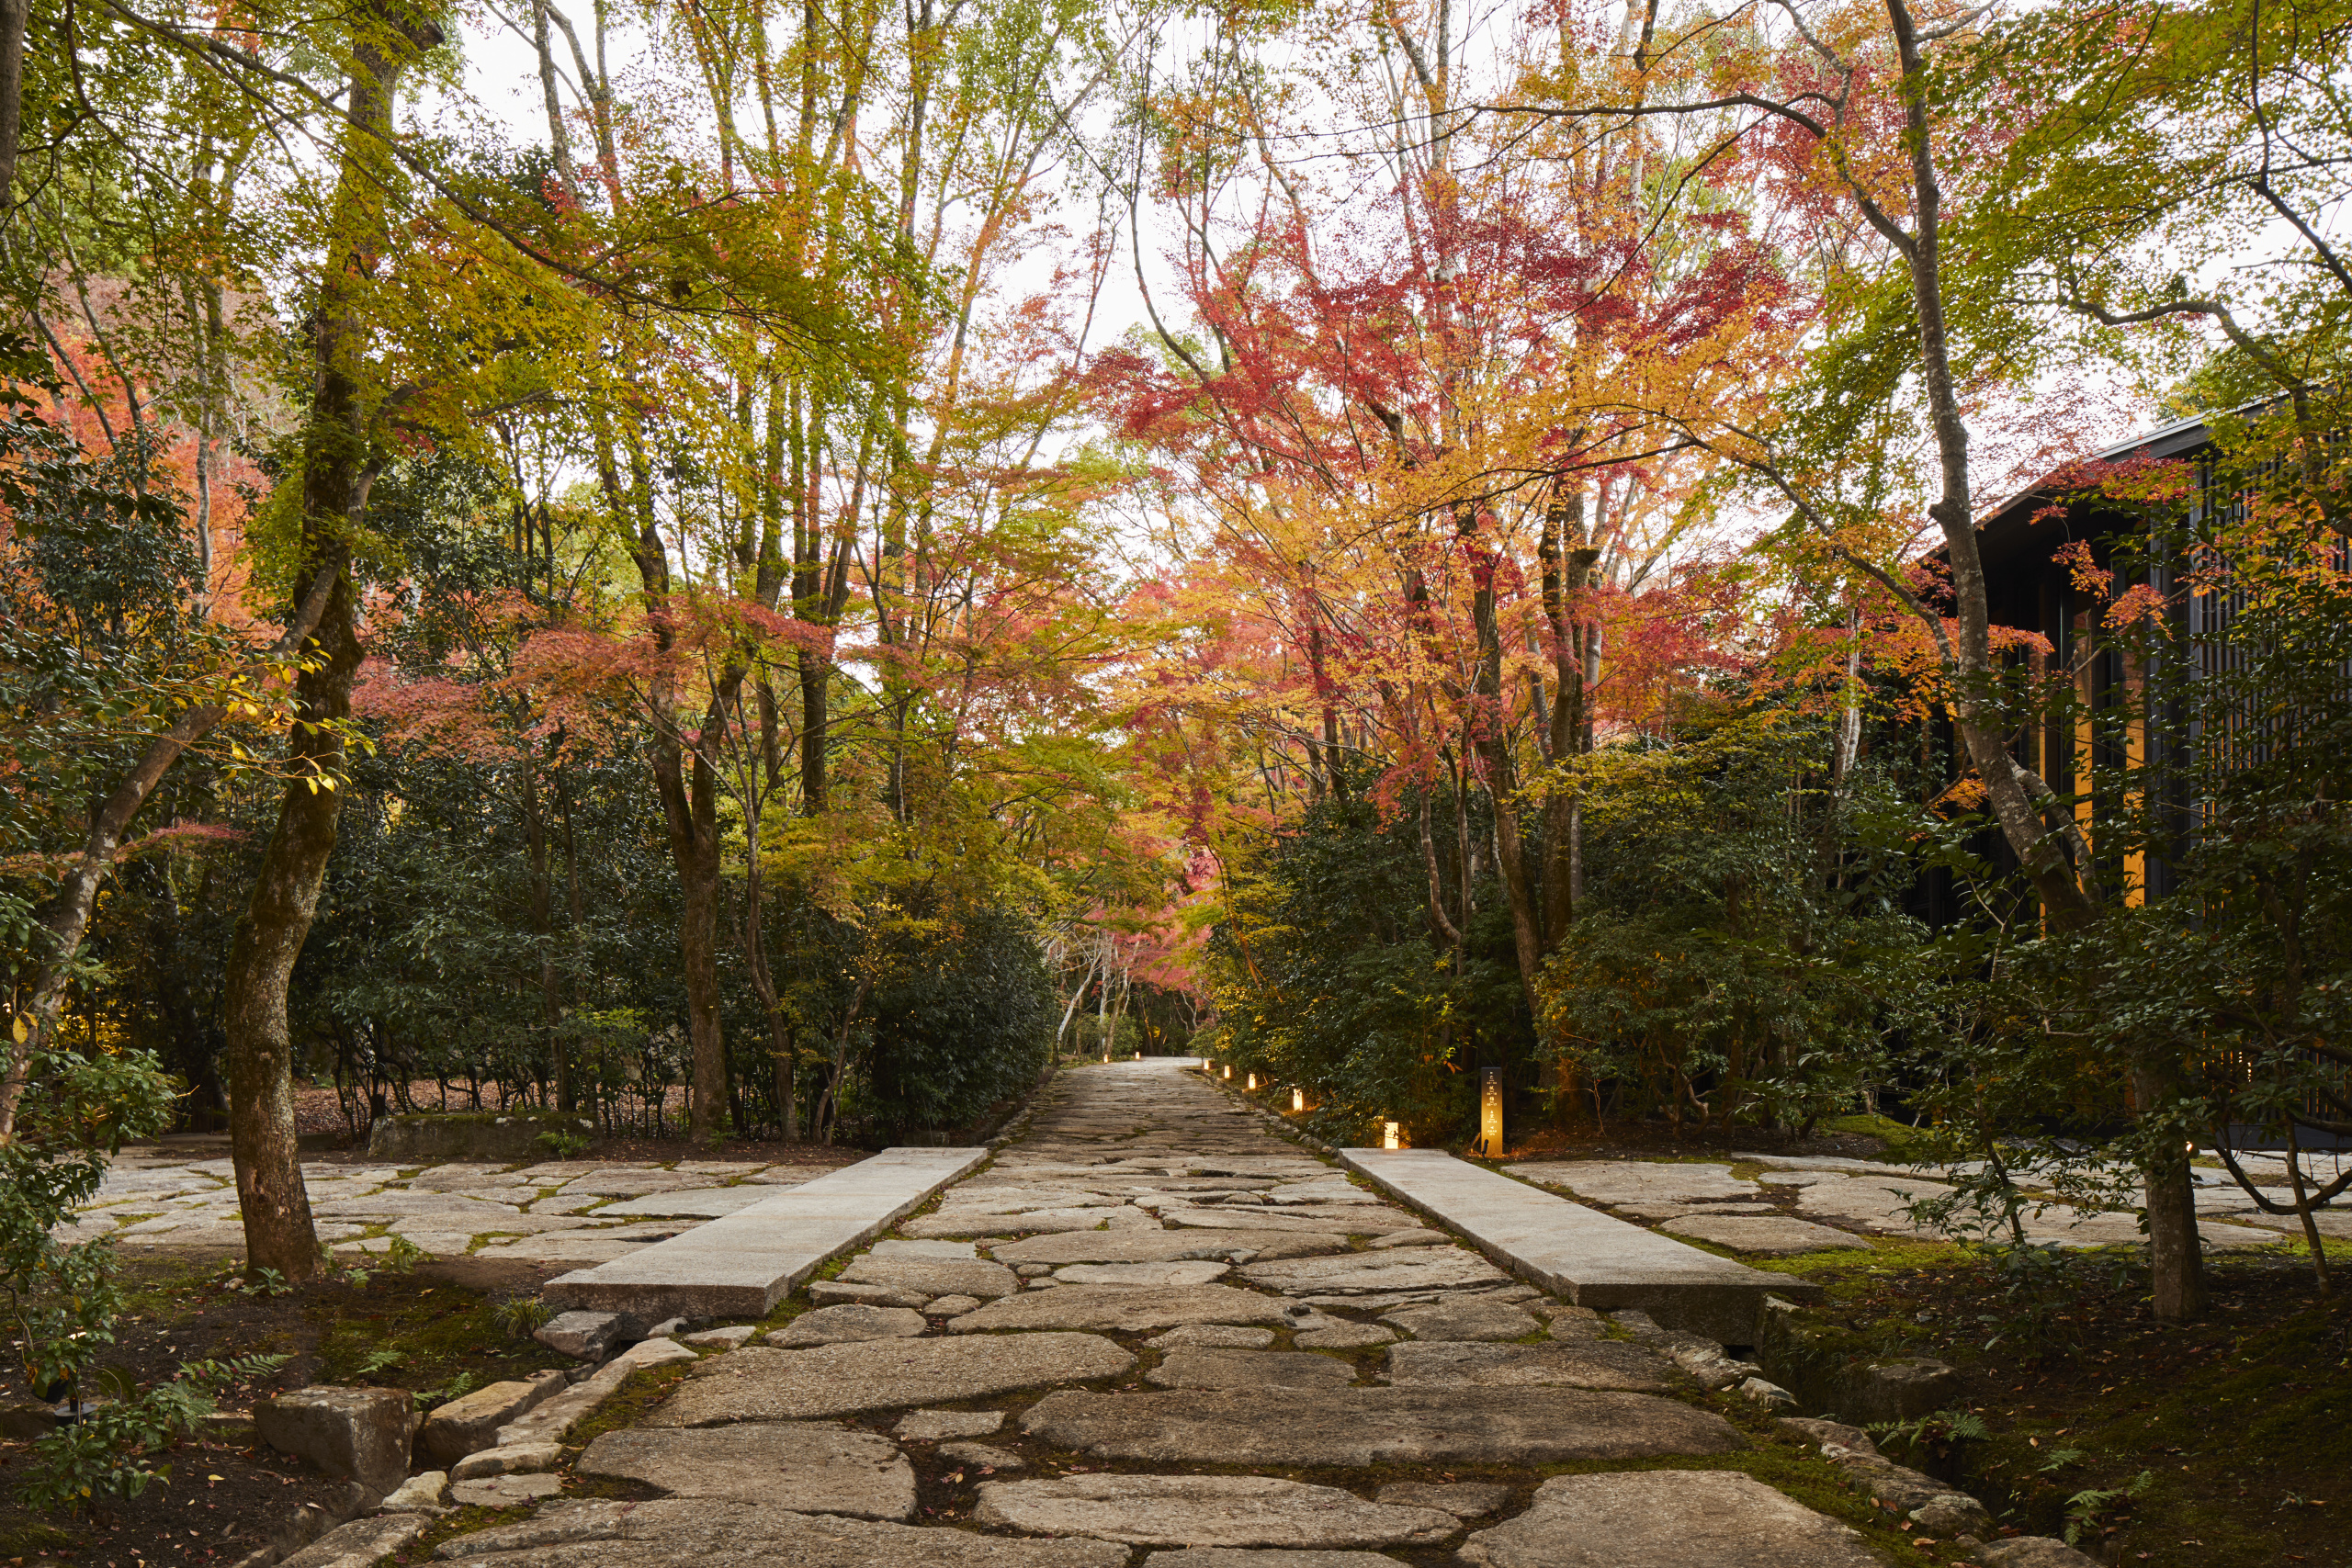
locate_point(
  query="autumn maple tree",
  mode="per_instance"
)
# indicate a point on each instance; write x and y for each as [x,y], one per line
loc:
[1432,409]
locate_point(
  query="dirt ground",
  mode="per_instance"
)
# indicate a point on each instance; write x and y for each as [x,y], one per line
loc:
[435,1332]
[2241,1424]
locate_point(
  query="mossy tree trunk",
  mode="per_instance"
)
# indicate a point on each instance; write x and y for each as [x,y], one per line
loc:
[340,461]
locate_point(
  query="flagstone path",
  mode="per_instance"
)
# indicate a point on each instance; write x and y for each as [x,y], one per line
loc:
[1770,1205]
[1151,1334]
[571,1213]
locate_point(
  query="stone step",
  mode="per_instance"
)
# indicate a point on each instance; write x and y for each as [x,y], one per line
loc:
[1207,1511]
[1667,1518]
[742,1264]
[1576,1252]
[1605,1363]
[809,1467]
[1520,1426]
[1121,1310]
[1243,1557]
[703,1533]
[759,1384]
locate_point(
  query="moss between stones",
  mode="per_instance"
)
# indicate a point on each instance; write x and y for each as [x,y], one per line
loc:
[630,1404]
[21,1541]
[463,1521]
[1846,1272]
[431,1338]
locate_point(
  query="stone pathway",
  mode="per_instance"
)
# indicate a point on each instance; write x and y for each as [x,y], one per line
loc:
[1781,1205]
[567,1212]
[1152,1335]
[1579,1253]
[743,1262]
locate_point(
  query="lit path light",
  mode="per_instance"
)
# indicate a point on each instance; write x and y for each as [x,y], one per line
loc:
[1392,1134]
[1490,1111]
[1298,1099]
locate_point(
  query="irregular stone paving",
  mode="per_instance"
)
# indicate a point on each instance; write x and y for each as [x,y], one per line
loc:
[1153,1335]
[569,1211]
[1665,1517]
[1785,1204]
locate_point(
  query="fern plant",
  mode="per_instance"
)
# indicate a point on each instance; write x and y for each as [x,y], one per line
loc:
[2087,1509]
[108,1451]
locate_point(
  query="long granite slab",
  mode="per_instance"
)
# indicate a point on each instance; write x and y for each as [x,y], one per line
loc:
[1573,1251]
[741,1265]
[1359,1427]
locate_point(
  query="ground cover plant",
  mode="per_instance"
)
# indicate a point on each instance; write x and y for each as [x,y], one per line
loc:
[225,1494]
[2217,1444]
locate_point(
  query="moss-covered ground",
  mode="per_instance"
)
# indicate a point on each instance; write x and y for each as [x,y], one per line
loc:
[422,1331]
[2222,1444]
[2226,1443]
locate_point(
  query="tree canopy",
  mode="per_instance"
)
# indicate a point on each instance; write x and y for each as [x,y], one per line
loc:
[764,571]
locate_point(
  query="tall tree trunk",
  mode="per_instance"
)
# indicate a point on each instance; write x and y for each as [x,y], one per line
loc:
[568,1090]
[2068,885]
[535,842]
[557,138]
[14,16]
[1567,561]
[337,470]
[755,953]
[816,678]
[1491,738]
[2176,1256]
[261,1138]
[685,778]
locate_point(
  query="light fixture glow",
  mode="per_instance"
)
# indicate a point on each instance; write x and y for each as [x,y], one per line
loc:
[1490,1112]
[1298,1099]
[1228,1072]
[1392,1134]
[1254,1083]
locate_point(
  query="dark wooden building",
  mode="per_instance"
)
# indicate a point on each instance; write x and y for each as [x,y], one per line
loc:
[2033,561]
[2031,566]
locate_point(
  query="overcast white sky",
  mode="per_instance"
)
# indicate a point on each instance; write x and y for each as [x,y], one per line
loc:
[501,79]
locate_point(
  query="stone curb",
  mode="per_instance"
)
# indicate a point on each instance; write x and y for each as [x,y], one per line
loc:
[741,1265]
[1576,1252]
